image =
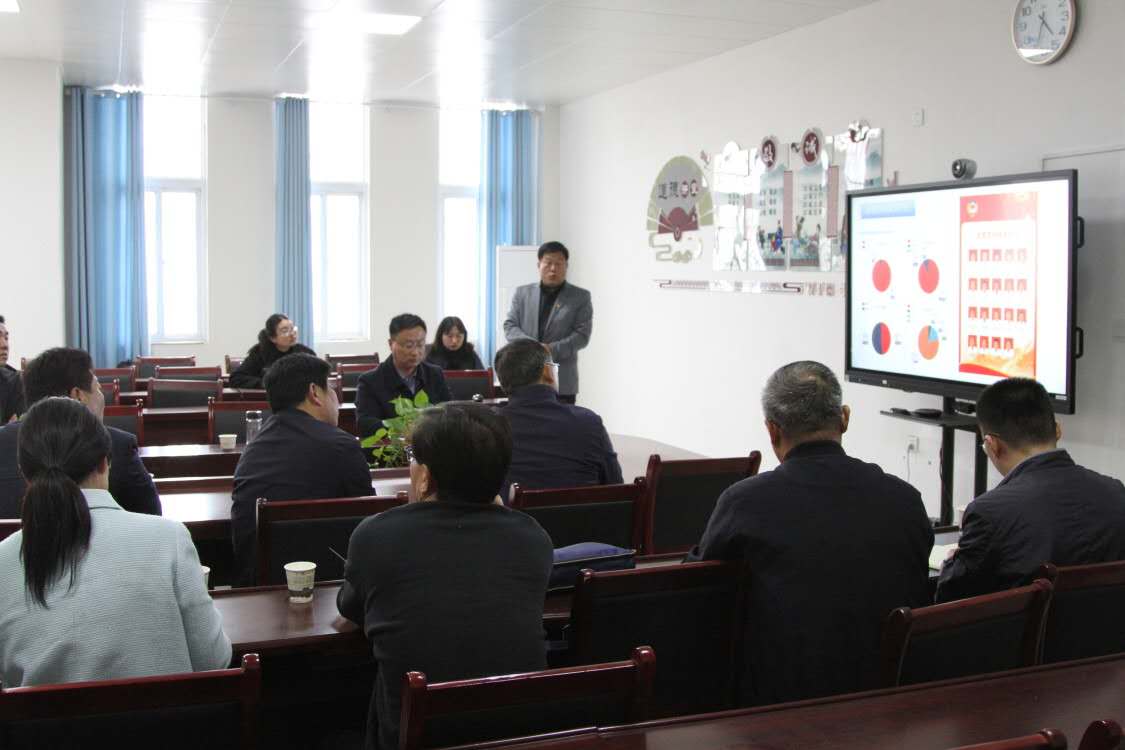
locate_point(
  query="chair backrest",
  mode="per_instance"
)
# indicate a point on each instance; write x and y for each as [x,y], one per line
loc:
[177,485]
[349,373]
[216,709]
[147,365]
[336,383]
[464,384]
[691,614]
[1101,735]
[608,513]
[521,705]
[163,392]
[232,363]
[126,417]
[8,526]
[290,530]
[226,417]
[111,391]
[972,636]
[371,360]
[682,494]
[1046,739]
[166,372]
[1087,611]
[126,376]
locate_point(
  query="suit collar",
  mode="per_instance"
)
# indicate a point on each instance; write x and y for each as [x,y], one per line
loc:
[100,499]
[1048,459]
[534,393]
[815,448]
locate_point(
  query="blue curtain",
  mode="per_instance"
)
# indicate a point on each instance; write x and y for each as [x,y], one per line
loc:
[104,225]
[293,237]
[509,205]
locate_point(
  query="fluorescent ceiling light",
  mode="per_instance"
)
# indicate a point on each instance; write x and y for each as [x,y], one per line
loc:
[9,6]
[384,23]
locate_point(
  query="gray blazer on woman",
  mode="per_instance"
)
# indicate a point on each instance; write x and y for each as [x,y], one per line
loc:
[568,329]
[138,606]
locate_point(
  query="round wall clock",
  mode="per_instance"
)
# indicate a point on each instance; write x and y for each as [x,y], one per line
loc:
[1042,29]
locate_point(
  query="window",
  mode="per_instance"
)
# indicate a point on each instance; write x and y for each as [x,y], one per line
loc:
[175,252]
[338,161]
[459,174]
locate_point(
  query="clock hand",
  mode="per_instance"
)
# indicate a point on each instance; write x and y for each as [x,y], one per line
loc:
[1043,18]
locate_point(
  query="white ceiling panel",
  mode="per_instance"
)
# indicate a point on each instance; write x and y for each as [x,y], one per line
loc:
[781,13]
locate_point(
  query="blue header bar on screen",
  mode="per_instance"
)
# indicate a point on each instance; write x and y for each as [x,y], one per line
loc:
[887,209]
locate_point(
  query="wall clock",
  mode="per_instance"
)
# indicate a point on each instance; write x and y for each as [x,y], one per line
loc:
[1042,29]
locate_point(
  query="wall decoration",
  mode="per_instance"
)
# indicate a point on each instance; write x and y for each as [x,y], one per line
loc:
[679,205]
[764,220]
[858,156]
[734,186]
[809,240]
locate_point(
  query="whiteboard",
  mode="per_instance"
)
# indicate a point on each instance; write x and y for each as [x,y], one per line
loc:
[516,265]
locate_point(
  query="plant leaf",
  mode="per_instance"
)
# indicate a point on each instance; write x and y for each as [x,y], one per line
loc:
[421,399]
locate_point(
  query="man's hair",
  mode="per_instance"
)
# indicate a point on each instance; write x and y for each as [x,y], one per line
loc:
[521,363]
[287,380]
[467,447]
[405,322]
[802,398]
[1018,411]
[553,247]
[55,372]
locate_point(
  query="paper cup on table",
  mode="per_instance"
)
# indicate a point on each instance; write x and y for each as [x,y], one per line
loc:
[227,441]
[300,577]
[206,576]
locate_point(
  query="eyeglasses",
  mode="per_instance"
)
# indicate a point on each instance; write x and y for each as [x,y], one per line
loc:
[286,331]
[411,346]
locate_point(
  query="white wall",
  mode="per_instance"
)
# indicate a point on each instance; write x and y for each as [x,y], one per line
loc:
[31,207]
[549,174]
[687,367]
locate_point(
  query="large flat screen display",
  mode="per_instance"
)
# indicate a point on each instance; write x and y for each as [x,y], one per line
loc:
[953,286]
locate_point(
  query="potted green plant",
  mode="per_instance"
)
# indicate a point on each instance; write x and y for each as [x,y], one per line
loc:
[388,444]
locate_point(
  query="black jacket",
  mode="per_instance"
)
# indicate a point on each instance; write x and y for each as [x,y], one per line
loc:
[129,481]
[832,545]
[1048,509]
[11,393]
[452,589]
[250,373]
[462,359]
[376,388]
[294,457]
[556,444]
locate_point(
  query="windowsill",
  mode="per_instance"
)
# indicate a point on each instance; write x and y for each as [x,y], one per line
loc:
[178,342]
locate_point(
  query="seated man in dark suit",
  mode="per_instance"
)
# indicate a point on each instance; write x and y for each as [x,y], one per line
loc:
[11,389]
[555,444]
[405,373]
[70,372]
[1046,509]
[300,454]
[451,585]
[831,544]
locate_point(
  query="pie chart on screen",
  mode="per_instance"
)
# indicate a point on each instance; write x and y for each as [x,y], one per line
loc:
[928,342]
[928,276]
[881,275]
[881,338]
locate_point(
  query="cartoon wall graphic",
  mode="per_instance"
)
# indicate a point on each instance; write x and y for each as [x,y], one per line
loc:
[858,164]
[679,205]
[734,187]
[809,238]
[764,221]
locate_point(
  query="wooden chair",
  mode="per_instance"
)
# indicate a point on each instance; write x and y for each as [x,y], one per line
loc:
[8,526]
[232,363]
[349,373]
[166,372]
[521,705]
[126,376]
[111,391]
[691,614]
[1087,614]
[216,709]
[225,417]
[336,383]
[163,392]
[1046,739]
[1101,735]
[147,365]
[608,513]
[291,530]
[371,360]
[982,634]
[179,485]
[464,384]
[126,417]
[682,495]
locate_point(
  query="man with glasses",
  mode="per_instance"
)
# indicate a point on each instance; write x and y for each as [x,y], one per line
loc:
[404,373]
[555,444]
[555,313]
[1045,509]
[11,390]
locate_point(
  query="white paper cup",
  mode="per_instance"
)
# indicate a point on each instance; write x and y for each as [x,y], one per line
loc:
[206,576]
[228,441]
[300,577]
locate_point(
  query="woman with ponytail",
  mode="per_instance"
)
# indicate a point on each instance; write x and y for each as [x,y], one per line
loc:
[89,590]
[277,339]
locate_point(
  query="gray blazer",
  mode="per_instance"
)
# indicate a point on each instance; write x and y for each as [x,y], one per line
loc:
[138,606]
[568,327]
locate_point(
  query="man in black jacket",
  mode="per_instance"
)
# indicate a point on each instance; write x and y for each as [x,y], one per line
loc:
[1046,509]
[831,545]
[554,444]
[300,454]
[404,374]
[69,372]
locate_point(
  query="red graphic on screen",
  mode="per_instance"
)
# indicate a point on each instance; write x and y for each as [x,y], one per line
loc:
[881,275]
[928,276]
[881,338]
[928,342]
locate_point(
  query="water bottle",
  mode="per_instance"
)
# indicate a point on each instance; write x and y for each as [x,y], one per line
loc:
[253,425]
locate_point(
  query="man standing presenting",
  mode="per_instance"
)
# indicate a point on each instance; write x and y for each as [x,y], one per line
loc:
[554,313]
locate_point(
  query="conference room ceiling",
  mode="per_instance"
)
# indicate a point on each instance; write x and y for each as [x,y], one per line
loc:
[462,51]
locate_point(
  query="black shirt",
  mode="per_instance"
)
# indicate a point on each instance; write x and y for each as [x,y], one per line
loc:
[11,393]
[832,545]
[250,373]
[547,297]
[294,457]
[452,589]
[377,388]
[461,359]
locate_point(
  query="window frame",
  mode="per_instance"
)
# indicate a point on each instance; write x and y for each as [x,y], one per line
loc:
[159,186]
[457,191]
[320,192]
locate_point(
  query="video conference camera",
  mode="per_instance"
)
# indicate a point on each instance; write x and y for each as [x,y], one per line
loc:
[964,169]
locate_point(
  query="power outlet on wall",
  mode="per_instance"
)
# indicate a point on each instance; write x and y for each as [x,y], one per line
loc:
[918,117]
[912,443]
